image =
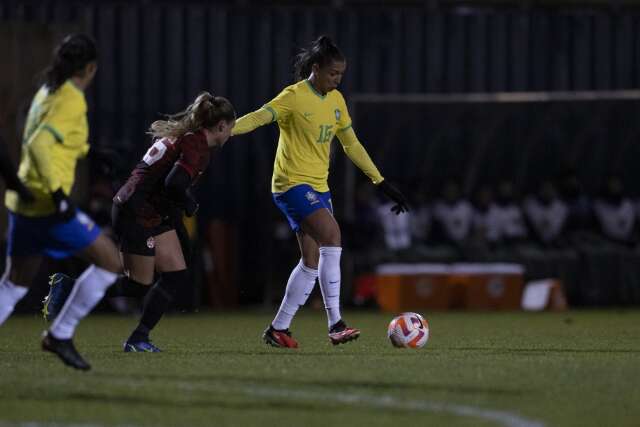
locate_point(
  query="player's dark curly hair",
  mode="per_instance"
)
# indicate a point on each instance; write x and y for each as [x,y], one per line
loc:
[69,57]
[321,51]
[205,112]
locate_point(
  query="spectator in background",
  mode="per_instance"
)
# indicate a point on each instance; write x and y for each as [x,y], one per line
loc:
[396,228]
[615,212]
[364,228]
[485,227]
[453,214]
[546,213]
[509,215]
[579,209]
[420,216]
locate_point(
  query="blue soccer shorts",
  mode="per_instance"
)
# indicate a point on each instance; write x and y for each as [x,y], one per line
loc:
[299,202]
[48,236]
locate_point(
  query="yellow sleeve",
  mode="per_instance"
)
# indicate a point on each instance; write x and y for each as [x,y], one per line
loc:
[251,121]
[358,155]
[39,147]
[278,109]
[282,105]
[344,119]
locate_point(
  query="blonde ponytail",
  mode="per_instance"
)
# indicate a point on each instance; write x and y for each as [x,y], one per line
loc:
[205,112]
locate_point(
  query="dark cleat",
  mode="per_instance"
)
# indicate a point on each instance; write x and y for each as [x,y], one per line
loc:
[65,350]
[140,347]
[60,286]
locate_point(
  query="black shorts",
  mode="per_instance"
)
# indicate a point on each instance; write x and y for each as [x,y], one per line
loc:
[134,237]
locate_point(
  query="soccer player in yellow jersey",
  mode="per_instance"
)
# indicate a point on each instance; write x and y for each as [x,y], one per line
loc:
[309,114]
[55,136]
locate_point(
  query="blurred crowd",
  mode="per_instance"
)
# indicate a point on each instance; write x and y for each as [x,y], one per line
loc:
[589,242]
[496,222]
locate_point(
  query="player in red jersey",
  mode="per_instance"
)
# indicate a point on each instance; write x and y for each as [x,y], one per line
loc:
[148,208]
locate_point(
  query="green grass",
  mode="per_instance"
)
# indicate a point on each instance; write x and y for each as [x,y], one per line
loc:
[568,369]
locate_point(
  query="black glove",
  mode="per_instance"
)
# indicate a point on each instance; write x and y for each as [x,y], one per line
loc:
[65,208]
[394,194]
[191,205]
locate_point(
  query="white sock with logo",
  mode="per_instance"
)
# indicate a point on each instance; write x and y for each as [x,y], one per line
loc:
[10,294]
[87,292]
[329,275]
[299,287]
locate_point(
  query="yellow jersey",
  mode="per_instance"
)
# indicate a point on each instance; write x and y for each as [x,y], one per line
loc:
[308,122]
[55,137]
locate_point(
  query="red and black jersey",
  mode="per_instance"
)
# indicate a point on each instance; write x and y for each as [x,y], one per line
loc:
[144,193]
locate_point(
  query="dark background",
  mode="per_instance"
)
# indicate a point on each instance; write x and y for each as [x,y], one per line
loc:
[156,56]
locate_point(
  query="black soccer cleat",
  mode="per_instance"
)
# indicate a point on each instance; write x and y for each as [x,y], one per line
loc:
[60,286]
[65,350]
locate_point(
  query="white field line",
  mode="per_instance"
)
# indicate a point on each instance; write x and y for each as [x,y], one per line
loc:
[503,418]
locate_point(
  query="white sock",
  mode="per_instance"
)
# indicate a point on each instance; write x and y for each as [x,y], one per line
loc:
[86,293]
[299,287]
[329,275]
[10,294]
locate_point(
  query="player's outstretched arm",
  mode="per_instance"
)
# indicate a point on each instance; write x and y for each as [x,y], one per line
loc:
[359,156]
[253,120]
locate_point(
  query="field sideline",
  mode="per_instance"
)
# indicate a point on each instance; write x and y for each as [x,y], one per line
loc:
[580,368]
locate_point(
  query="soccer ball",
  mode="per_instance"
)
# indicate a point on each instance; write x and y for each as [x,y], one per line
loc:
[408,330]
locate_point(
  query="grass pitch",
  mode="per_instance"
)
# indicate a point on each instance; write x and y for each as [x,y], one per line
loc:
[478,369]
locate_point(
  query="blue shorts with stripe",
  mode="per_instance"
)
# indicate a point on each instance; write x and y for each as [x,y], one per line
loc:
[48,236]
[299,202]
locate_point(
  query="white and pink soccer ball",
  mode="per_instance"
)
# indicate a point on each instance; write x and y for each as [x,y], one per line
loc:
[408,330]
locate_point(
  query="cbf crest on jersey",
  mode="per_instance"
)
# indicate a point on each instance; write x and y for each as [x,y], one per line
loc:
[337,114]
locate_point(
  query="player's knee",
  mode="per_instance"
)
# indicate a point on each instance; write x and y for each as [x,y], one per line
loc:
[111,262]
[110,259]
[311,260]
[331,238]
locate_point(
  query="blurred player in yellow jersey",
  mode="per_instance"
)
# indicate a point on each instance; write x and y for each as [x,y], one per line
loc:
[310,114]
[55,137]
